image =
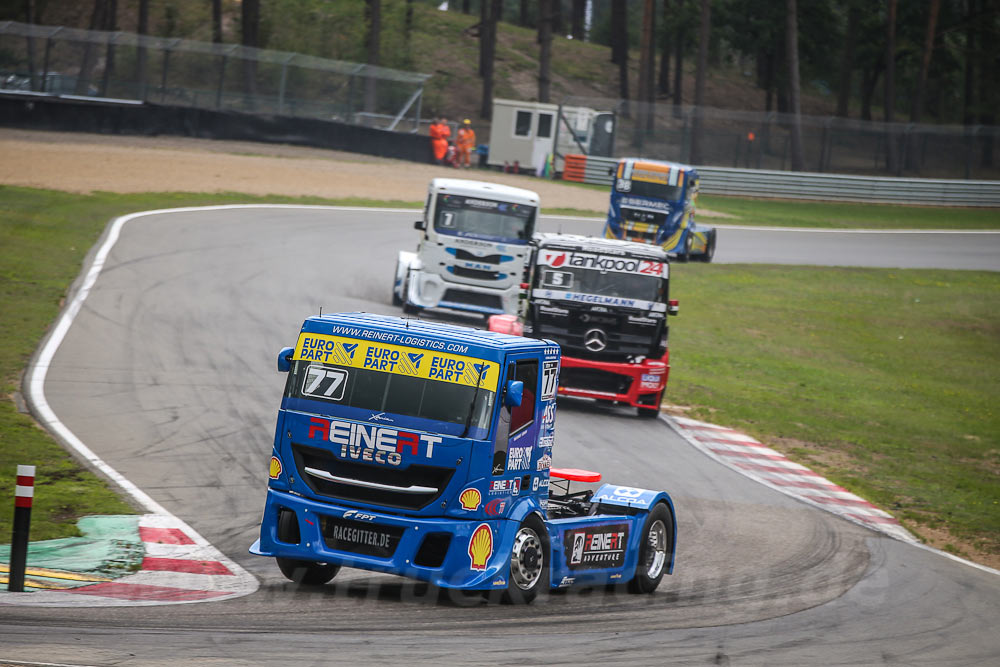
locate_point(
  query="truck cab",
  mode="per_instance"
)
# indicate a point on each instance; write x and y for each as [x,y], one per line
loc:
[653,202]
[606,303]
[425,449]
[473,244]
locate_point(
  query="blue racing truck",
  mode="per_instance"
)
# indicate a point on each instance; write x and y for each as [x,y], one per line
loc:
[654,202]
[425,450]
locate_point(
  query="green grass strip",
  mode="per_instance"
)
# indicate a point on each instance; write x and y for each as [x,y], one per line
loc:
[885,381]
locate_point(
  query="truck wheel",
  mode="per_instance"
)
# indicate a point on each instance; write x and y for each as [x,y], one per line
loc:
[685,255]
[408,307]
[654,550]
[396,301]
[307,572]
[709,249]
[529,562]
[650,412]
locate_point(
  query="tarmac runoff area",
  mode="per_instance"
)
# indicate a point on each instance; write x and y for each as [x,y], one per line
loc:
[154,559]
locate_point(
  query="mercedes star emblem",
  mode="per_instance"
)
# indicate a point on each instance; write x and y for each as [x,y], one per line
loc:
[595,340]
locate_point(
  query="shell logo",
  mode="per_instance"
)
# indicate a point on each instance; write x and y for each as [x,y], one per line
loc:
[275,470]
[480,546]
[470,499]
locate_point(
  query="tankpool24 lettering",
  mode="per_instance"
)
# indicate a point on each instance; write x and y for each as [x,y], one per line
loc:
[596,548]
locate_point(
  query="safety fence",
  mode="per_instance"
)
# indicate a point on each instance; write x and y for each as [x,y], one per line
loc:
[763,140]
[127,67]
[804,185]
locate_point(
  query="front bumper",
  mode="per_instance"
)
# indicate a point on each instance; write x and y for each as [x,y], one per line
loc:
[429,290]
[436,550]
[639,384]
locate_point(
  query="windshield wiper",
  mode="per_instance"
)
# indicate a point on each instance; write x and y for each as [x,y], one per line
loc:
[472,406]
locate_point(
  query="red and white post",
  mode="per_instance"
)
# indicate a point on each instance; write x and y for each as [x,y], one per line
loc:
[24,493]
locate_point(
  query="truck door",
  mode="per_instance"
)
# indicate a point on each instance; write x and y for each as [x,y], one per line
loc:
[517,428]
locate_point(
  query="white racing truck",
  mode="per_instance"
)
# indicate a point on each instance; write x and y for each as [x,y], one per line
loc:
[472,250]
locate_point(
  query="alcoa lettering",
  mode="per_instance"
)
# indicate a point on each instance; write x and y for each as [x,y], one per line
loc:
[374,444]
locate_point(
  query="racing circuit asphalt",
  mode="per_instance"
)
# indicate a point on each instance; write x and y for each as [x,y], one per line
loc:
[168,374]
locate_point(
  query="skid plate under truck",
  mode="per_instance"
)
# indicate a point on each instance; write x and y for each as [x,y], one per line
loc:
[425,450]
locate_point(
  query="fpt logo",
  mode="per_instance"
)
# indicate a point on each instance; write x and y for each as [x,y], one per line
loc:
[480,547]
[470,499]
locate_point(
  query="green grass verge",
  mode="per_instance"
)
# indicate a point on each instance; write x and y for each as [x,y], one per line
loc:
[885,381]
[842,215]
[881,380]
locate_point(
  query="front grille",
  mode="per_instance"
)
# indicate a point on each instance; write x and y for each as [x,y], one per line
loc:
[594,379]
[473,298]
[624,341]
[476,274]
[416,475]
[469,257]
[361,537]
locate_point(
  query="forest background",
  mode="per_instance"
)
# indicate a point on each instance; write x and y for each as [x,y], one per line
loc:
[917,61]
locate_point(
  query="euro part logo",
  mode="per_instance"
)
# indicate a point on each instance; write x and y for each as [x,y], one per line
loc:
[470,499]
[511,486]
[275,469]
[596,548]
[480,547]
[519,458]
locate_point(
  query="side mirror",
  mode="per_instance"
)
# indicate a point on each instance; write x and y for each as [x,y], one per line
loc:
[515,394]
[285,359]
[419,224]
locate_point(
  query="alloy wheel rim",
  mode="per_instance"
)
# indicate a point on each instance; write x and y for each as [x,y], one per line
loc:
[526,559]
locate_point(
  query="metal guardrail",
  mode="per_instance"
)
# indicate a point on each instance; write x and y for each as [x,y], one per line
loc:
[825,187]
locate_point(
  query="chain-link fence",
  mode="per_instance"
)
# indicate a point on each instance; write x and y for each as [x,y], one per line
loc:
[758,140]
[126,67]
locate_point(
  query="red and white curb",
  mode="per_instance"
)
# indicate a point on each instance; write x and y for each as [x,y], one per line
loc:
[749,457]
[179,566]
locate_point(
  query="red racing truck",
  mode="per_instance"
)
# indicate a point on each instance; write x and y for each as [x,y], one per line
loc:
[605,302]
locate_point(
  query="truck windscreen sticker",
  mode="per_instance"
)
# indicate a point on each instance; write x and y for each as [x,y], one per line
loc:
[557,279]
[398,359]
[603,263]
[324,382]
[599,300]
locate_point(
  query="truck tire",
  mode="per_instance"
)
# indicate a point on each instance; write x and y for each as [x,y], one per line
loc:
[655,547]
[685,255]
[307,573]
[396,301]
[651,412]
[408,307]
[709,249]
[529,569]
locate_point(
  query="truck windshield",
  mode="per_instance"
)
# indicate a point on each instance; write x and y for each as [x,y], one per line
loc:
[484,219]
[588,281]
[372,395]
[650,190]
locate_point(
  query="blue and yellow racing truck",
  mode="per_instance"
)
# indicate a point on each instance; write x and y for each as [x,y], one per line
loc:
[654,202]
[425,450]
